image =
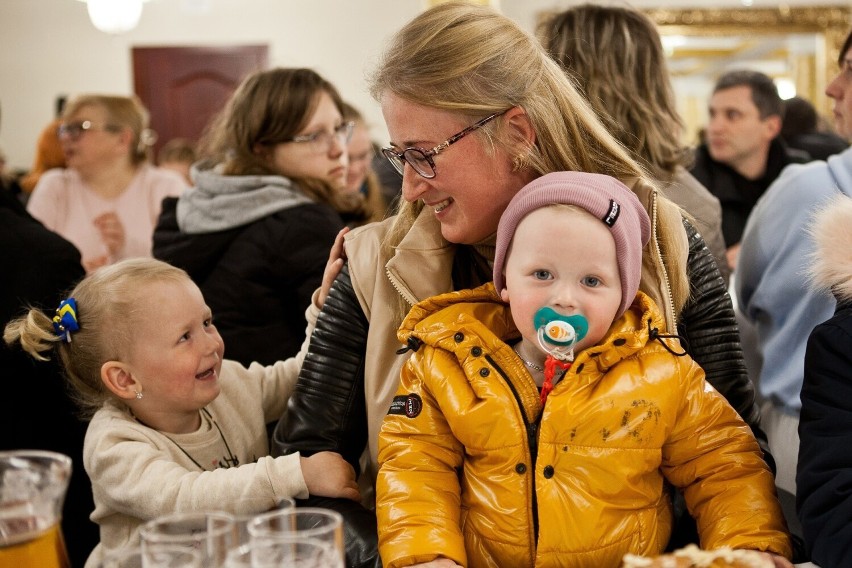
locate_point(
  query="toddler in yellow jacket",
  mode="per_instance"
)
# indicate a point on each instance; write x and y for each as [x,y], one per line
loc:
[541,416]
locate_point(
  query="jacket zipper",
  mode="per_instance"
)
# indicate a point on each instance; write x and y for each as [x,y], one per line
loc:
[410,300]
[665,273]
[532,441]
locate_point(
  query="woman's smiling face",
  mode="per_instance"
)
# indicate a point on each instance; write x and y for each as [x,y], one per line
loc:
[473,184]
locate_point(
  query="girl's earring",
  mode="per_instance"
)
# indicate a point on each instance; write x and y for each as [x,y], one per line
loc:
[138,395]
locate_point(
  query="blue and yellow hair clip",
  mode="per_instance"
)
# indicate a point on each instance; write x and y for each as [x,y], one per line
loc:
[65,320]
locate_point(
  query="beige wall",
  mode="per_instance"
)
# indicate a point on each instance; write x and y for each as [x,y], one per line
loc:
[48,47]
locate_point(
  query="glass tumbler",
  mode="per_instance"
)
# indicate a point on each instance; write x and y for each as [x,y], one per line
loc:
[212,534]
[301,523]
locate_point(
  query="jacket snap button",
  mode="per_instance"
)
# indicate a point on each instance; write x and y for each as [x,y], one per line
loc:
[521,468]
[548,471]
[476,351]
[484,372]
[459,337]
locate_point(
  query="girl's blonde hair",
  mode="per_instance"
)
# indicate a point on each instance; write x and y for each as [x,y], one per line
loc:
[268,108]
[122,112]
[470,60]
[108,304]
[616,56]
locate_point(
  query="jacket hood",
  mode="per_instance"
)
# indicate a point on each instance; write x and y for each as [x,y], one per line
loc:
[436,321]
[219,202]
[831,231]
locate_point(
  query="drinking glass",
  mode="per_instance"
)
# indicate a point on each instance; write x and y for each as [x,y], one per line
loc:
[212,534]
[301,523]
[32,490]
[161,556]
[242,520]
[284,553]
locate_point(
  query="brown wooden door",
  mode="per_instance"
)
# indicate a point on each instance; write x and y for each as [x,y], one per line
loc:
[184,87]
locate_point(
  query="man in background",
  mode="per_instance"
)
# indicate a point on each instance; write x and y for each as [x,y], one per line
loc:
[743,153]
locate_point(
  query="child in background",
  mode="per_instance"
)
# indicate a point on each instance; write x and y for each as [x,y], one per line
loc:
[175,428]
[178,155]
[510,445]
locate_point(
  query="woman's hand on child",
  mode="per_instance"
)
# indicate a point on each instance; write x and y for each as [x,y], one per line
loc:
[327,474]
[336,258]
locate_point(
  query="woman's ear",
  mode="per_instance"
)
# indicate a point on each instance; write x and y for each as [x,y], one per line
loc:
[119,380]
[520,128]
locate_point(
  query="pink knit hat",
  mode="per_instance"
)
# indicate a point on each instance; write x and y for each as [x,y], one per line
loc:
[604,197]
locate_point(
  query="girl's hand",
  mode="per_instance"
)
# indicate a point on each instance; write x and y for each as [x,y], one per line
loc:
[336,258]
[112,232]
[438,563]
[327,474]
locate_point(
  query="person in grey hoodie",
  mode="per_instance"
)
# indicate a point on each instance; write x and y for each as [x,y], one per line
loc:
[255,230]
[771,287]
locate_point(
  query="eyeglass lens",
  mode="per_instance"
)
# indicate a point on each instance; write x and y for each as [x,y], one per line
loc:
[322,140]
[73,130]
[415,158]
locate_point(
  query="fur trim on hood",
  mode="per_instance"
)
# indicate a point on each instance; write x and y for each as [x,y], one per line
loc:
[831,230]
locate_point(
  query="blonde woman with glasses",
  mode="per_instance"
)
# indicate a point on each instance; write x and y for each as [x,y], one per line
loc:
[476,109]
[107,199]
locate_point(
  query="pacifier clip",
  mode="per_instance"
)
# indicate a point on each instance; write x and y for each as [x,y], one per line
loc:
[557,335]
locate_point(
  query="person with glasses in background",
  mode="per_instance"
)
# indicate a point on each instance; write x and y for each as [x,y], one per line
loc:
[362,183]
[476,109]
[255,231]
[107,199]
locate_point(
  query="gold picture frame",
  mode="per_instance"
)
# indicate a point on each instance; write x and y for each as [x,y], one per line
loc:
[829,24]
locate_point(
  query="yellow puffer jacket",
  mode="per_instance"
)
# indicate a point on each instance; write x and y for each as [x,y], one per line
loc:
[473,469]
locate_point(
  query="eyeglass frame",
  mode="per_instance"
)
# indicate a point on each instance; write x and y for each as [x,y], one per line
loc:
[396,158]
[74,130]
[346,128]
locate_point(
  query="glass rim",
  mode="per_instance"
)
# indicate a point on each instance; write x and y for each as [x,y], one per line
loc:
[293,512]
[149,529]
[25,453]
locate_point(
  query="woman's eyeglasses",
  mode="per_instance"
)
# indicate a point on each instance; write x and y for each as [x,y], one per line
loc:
[73,130]
[421,159]
[321,141]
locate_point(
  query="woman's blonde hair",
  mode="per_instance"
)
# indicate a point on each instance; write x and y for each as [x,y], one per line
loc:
[470,60]
[108,303]
[268,108]
[616,57]
[123,112]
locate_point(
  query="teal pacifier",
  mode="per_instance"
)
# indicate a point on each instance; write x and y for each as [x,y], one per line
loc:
[557,334]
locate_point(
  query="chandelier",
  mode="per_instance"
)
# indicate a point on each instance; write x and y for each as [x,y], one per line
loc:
[114,16]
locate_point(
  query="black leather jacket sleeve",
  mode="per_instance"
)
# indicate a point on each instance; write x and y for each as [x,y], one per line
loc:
[709,325]
[327,410]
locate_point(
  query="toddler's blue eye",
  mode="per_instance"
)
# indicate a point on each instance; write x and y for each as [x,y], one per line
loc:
[541,274]
[591,281]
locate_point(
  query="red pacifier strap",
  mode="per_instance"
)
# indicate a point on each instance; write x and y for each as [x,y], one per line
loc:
[550,365]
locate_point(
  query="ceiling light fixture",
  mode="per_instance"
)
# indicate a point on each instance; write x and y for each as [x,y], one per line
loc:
[114,16]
